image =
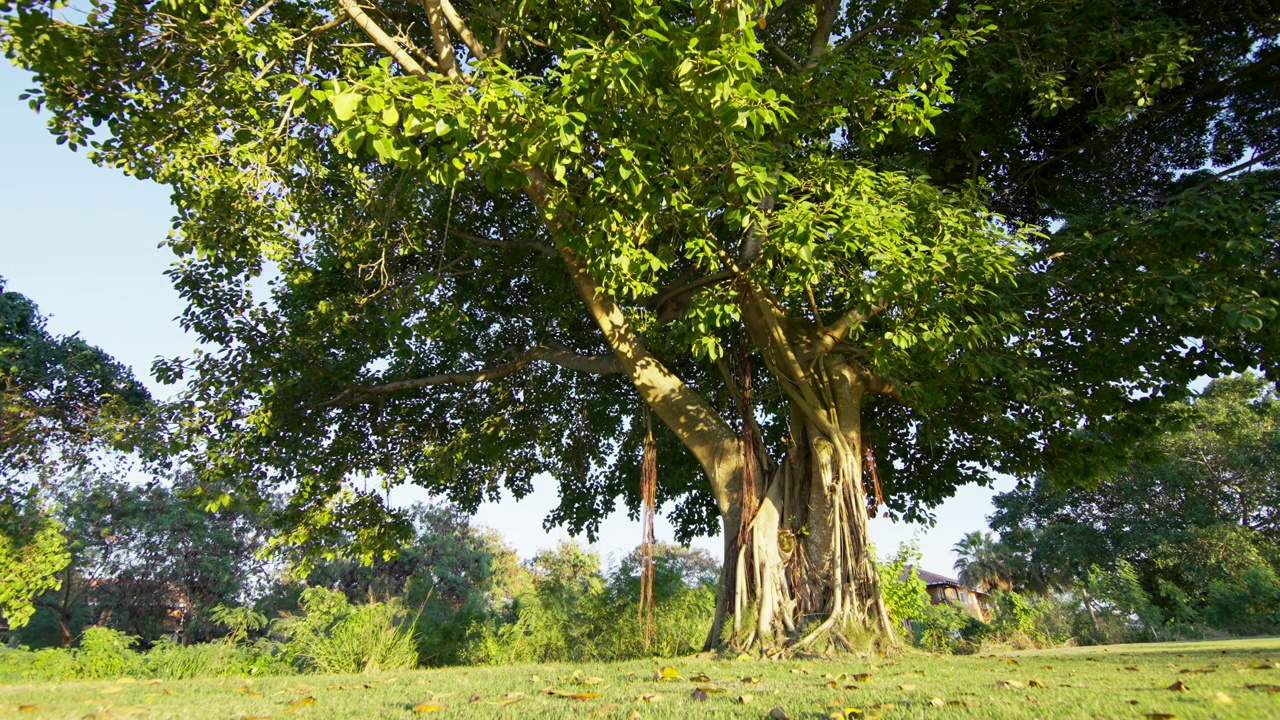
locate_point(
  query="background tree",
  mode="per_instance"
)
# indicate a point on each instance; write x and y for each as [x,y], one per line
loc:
[503,233]
[64,405]
[1193,516]
[983,562]
[148,559]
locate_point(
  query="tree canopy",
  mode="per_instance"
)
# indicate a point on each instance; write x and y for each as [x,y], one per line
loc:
[916,240]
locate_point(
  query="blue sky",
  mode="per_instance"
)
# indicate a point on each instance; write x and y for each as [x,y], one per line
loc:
[82,241]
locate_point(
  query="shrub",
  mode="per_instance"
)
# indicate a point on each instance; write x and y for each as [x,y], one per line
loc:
[333,636]
[905,595]
[106,653]
[939,627]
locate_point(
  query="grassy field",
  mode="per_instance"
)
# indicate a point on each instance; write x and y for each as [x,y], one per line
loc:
[1229,679]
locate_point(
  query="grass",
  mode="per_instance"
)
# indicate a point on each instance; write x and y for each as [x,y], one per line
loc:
[1121,681]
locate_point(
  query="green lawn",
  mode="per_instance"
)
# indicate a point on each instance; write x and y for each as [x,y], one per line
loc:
[1123,681]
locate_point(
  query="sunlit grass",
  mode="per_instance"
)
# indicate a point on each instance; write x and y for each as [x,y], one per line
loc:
[1129,681]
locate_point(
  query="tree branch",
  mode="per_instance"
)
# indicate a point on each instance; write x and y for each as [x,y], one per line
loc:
[440,36]
[383,40]
[460,27]
[841,328]
[827,10]
[258,13]
[486,242]
[553,353]
[1256,159]
[857,37]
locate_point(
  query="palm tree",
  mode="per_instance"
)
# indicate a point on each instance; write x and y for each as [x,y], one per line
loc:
[983,562]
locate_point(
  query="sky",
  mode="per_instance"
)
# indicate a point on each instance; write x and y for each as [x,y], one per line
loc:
[83,242]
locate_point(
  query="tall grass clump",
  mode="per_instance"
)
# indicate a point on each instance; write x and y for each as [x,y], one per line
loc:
[330,635]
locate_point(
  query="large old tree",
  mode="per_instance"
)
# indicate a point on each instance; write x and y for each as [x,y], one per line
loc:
[834,253]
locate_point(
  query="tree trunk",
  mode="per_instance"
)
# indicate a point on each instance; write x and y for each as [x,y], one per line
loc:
[797,567]
[802,571]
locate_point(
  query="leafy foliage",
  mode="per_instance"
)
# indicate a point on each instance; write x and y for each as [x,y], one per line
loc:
[1182,535]
[904,592]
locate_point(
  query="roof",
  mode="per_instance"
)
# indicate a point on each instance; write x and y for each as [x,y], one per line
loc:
[931,579]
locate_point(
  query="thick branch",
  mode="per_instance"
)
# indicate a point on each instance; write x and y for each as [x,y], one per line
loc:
[382,39]
[460,27]
[840,329]
[440,36]
[689,416]
[827,11]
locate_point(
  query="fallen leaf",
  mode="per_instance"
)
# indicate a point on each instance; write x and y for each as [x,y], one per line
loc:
[744,699]
[1179,687]
[667,673]
[1011,661]
[475,698]
[33,708]
[907,688]
[427,707]
[1221,698]
[700,677]
[1196,672]
[591,680]
[302,702]
[964,703]
[1131,668]
[1161,716]
[744,656]
[753,680]
[713,690]
[537,679]
[1272,689]
[1046,667]
[1092,660]
[648,698]
[862,677]
[937,702]
[605,708]
[1262,666]
[245,689]
[777,714]
[635,715]
[699,695]
[1034,683]
[850,687]
[1009,684]
[585,696]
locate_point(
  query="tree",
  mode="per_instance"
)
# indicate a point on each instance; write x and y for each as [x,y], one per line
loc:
[801,235]
[1195,509]
[150,559]
[63,405]
[983,562]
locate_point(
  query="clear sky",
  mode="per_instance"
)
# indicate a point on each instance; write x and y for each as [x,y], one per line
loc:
[82,241]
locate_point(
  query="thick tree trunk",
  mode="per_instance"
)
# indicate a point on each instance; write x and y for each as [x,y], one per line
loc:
[802,572]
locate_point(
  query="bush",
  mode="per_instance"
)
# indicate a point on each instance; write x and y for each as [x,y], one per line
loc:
[333,636]
[905,595]
[939,626]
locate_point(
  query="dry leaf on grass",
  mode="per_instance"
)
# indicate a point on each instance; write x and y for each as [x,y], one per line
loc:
[428,707]
[302,702]
[648,698]
[245,689]
[1221,698]
[1271,689]
[862,677]
[667,673]
[1009,684]
[744,699]
[699,695]
[937,702]
[1179,687]
[605,708]
[700,677]
[777,714]
[907,688]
